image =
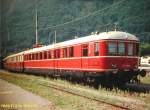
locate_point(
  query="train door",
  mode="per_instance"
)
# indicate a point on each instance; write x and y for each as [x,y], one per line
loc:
[23,59]
[56,59]
[84,59]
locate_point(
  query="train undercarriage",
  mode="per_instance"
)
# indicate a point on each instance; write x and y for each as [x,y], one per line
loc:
[95,79]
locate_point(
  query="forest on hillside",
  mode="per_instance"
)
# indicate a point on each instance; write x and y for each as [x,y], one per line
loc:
[70,18]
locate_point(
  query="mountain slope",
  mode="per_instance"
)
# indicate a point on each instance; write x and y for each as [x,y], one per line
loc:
[71,18]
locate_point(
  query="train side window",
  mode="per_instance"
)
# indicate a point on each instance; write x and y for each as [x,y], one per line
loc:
[16,58]
[137,49]
[40,55]
[20,58]
[112,48]
[49,55]
[29,56]
[130,49]
[85,50]
[45,54]
[32,56]
[13,59]
[65,52]
[25,58]
[58,53]
[96,48]
[121,48]
[55,56]
[36,56]
[71,51]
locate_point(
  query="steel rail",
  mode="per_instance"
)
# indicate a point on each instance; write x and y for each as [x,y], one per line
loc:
[64,89]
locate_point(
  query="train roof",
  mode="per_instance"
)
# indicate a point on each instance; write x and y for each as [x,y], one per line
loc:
[112,35]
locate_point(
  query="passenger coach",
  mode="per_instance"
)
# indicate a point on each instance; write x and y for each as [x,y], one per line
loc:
[103,56]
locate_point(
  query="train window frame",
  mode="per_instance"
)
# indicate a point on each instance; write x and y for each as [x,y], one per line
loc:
[40,55]
[137,49]
[32,56]
[36,56]
[29,56]
[96,48]
[58,53]
[55,55]
[49,54]
[45,54]
[121,50]
[71,51]
[112,47]
[130,50]
[26,57]
[64,52]
[16,58]
[85,50]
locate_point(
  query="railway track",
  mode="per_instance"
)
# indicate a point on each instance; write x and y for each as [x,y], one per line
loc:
[77,93]
[144,88]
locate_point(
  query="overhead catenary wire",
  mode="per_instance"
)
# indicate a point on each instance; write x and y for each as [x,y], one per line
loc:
[101,26]
[83,17]
[77,19]
[96,12]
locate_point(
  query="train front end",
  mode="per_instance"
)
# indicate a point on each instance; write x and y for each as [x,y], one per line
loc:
[121,57]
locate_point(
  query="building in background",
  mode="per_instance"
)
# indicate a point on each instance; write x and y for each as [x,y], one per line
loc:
[145,60]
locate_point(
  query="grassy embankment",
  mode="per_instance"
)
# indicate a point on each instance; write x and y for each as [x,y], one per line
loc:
[68,101]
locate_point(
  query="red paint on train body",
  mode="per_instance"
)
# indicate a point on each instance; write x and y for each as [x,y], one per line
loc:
[98,53]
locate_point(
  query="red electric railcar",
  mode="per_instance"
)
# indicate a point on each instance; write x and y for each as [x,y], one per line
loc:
[110,55]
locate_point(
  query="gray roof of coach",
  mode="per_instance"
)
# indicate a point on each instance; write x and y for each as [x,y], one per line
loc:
[101,36]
